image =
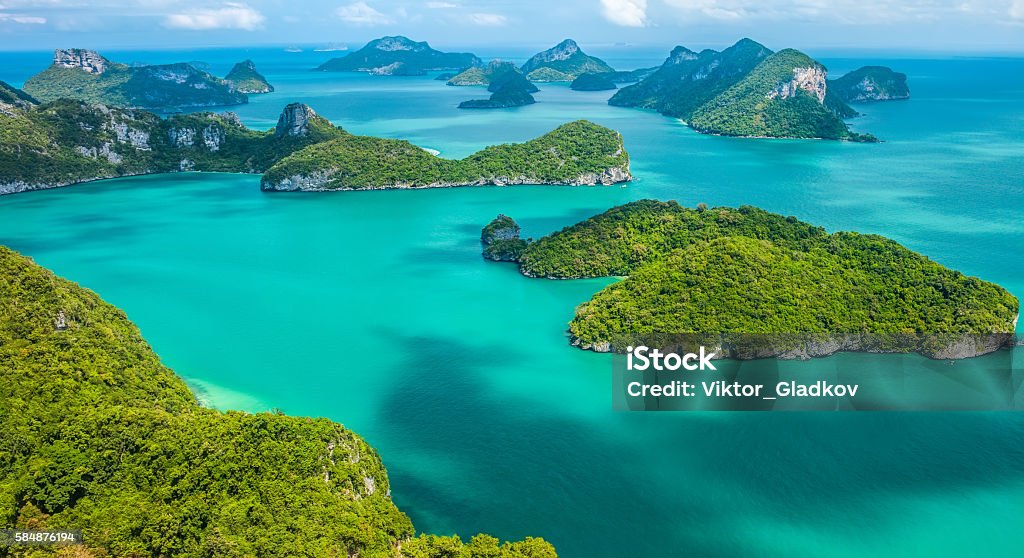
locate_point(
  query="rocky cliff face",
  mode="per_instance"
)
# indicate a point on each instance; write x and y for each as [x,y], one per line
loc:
[86,60]
[811,80]
[294,120]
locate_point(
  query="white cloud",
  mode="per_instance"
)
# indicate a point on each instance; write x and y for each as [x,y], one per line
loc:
[628,13]
[1017,9]
[361,13]
[487,20]
[230,16]
[23,19]
[441,5]
[872,12]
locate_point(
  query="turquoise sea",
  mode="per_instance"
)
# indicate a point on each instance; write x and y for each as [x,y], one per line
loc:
[375,309]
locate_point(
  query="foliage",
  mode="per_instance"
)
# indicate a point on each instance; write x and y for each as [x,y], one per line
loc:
[560,156]
[480,546]
[593,82]
[13,96]
[99,435]
[495,70]
[501,227]
[162,87]
[689,79]
[67,141]
[413,58]
[745,270]
[244,77]
[748,109]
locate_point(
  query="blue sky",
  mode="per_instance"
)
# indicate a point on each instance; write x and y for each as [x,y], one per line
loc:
[931,25]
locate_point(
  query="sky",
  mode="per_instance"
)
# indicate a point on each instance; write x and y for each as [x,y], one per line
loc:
[948,26]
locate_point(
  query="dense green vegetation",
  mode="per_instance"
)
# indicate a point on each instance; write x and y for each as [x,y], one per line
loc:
[162,87]
[744,90]
[501,240]
[510,89]
[563,62]
[593,82]
[870,83]
[689,79]
[768,102]
[495,70]
[10,95]
[399,56]
[65,142]
[244,77]
[745,270]
[99,435]
[574,153]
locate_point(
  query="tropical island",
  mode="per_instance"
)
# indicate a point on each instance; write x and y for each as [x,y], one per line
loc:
[67,142]
[100,436]
[508,89]
[593,82]
[721,271]
[745,90]
[577,153]
[870,83]
[399,56]
[484,75]
[565,61]
[87,76]
[501,241]
[244,77]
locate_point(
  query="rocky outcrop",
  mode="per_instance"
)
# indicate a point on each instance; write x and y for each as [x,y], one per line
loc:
[245,79]
[294,120]
[88,61]
[808,346]
[810,79]
[501,240]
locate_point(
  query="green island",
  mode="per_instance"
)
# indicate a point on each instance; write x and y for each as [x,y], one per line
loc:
[399,56]
[100,436]
[563,62]
[748,271]
[577,153]
[508,89]
[745,90]
[86,76]
[593,82]
[245,79]
[67,142]
[501,241]
[870,83]
[484,75]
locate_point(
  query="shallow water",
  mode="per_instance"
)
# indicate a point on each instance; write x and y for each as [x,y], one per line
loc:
[376,310]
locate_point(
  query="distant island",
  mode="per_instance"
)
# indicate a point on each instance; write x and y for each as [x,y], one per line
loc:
[509,89]
[67,142]
[745,90]
[563,62]
[399,56]
[747,271]
[578,153]
[870,83]
[86,76]
[119,435]
[244,77]
[593,82]
[484,75]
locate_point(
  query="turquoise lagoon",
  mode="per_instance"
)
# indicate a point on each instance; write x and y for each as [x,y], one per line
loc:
[376,310]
